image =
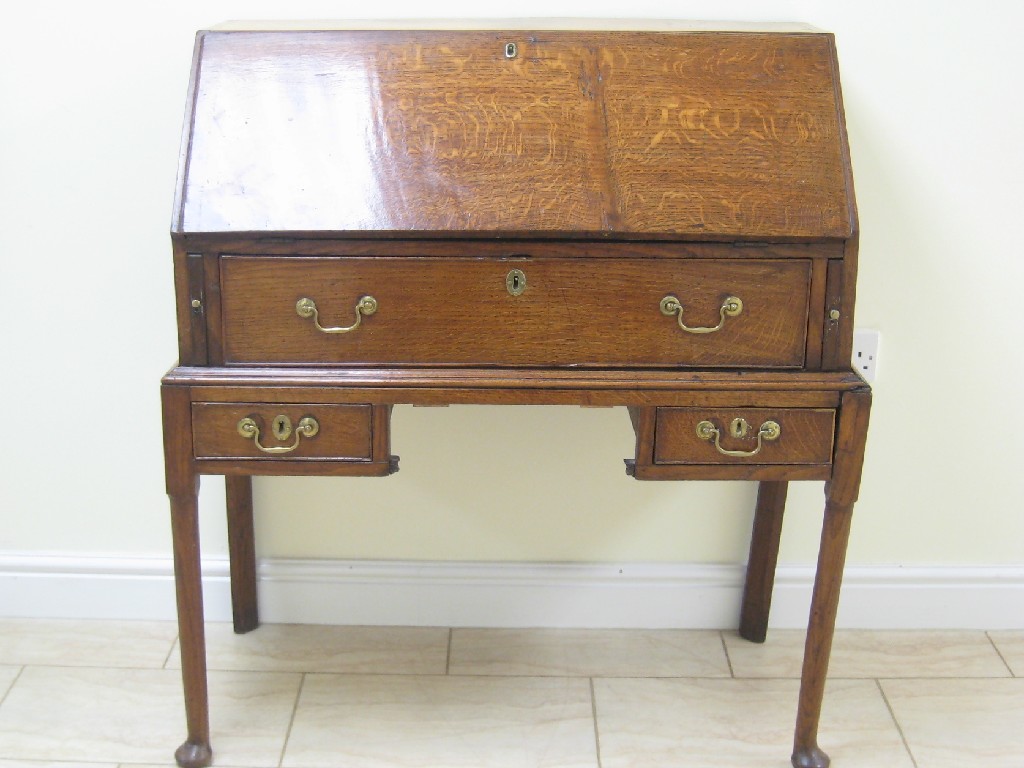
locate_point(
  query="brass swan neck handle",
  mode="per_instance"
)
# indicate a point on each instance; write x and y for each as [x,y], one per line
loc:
[306,307]
[731,307]
[250,430]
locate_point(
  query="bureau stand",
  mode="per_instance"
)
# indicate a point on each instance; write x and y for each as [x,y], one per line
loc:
[657,219]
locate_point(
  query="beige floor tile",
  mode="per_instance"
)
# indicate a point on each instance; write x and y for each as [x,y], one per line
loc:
[959,723]
[312,648]
[136,715]
[866,654]
[588,653]
[73,642]
[1011,647]
[7,676]
[393,721]
[738,724]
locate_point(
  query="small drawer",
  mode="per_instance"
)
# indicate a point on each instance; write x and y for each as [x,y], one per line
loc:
[744,436]
[293,432]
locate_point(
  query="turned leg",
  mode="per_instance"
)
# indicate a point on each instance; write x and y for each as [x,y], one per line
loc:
[840,493]
[183,490]
[764,556]
[242,552]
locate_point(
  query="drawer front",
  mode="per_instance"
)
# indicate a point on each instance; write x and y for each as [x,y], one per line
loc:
[744,436]
[462,311]
[282,431]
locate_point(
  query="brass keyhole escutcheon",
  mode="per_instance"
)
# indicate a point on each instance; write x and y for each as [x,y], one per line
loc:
[515,282]
[739,428]
[511,50]
[281,427]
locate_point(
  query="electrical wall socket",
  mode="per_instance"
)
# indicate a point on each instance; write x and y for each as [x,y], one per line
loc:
[865,352]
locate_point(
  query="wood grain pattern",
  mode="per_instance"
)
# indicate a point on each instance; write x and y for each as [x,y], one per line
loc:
[730,137]
[284,467]
[241,553]
[412,131]
[806,436]
[441,396]
[442,245]
[751,472]
[182,480]
[459,312]
[579,382]
[613,168]
[764,556]
[736,136]
[834,330]
[828,579]
[345,431]
[840,495]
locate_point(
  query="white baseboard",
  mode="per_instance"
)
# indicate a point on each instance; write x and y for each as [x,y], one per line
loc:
[512,594]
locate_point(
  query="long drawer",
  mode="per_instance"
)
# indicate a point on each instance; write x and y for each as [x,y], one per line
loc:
[516,312]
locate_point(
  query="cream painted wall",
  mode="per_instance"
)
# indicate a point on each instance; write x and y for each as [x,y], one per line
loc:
[93,96]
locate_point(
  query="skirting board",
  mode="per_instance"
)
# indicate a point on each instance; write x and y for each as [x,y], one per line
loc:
[512,594]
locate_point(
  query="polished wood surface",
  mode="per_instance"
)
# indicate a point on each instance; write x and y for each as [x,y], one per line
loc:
[344,431]
[573,312]
[613,169]
[762,560]
[182,481]
[241,553]
[805,436]
[407,382]
[840,494]
[728,139]
[737,136]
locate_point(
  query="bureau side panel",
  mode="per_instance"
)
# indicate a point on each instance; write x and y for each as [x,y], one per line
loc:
[190,306]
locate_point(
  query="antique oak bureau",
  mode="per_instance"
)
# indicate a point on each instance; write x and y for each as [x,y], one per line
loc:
[662,220]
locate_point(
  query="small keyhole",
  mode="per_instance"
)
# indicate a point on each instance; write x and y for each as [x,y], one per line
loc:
[515,282]
[510,50]
[282,427]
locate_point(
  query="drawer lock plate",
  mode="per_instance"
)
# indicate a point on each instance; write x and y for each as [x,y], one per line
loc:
[737,428]
[281,427]
[515,282]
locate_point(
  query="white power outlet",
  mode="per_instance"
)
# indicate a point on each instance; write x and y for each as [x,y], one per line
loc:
[865,352]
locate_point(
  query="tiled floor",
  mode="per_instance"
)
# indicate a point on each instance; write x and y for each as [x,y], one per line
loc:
[105,694]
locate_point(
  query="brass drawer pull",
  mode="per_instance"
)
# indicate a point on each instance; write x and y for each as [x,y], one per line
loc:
[307,427]
[731,307]
[770,430]
[305,307]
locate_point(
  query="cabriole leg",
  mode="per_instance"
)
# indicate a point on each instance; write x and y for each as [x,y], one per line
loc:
[183,490]
[195,752]
[840,495]
[824,603]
